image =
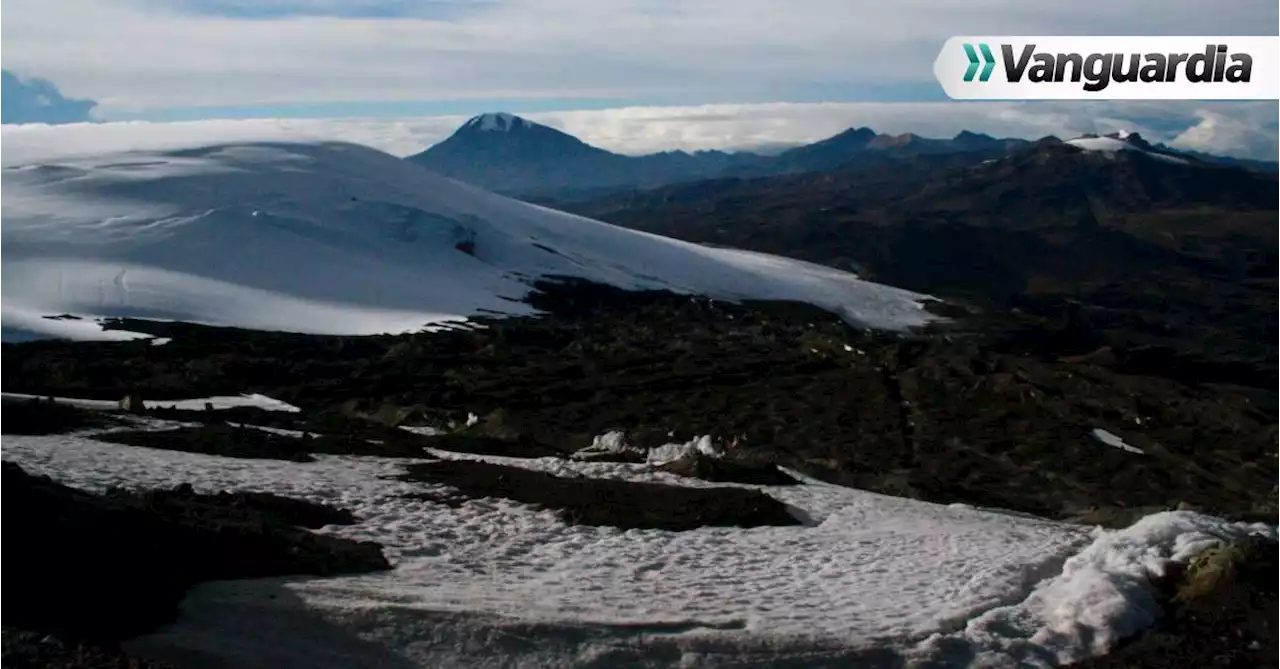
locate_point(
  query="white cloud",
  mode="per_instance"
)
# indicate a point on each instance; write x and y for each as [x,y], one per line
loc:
[1223,134]
[146,54]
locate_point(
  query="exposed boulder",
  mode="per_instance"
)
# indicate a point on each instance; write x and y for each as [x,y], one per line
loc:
[132,403]
[611,446]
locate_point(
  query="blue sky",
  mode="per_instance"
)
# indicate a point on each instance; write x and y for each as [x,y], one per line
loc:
[193,59]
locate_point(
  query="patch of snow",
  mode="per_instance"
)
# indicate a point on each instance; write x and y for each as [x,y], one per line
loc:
[297,434]
[226,402]
[611,442]
[18,324]
[161,341]
[1103,594]
[194,222]
[197,404]
[1115,441]
[496,121]
[425,430]
[668,452]
[616,442]
[1111,144]
[472,419]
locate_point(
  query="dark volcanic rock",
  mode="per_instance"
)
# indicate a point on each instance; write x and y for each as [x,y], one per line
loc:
[24,649]
[184,502]
[726,470]
[333,431]
[38,416]
[995,410]
[223,440]
[102,568]
[1163,254]
[217,438]
[623,504]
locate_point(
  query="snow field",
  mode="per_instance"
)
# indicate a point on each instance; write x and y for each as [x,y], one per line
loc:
[1112,144]
[870,579]
[205,223]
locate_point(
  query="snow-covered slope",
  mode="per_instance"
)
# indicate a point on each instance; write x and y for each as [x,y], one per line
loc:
[1123,142]
[204,223]
[497,121]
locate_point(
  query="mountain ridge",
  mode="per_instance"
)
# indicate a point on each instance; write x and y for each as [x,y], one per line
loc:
[1144,242]
[534,160]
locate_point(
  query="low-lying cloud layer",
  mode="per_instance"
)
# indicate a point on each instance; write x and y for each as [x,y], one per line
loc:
[1245,130]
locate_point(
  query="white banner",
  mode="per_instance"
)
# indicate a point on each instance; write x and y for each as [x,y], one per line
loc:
[1110,68]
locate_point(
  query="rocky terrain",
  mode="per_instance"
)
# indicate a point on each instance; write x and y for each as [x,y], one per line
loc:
[1136,251]
[622,504]
[987,409]
[975,411]
[1108,351]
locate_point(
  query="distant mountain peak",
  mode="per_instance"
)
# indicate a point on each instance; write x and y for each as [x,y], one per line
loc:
[852,138]
[861,133]
[1132,138]
[496,122]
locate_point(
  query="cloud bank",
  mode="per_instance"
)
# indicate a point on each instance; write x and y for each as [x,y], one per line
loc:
[38,101]
[1246,130]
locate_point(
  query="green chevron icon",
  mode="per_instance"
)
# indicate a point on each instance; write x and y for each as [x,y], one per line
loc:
[987,58]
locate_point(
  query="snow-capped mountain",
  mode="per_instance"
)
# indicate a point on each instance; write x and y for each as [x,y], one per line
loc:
[498,122]
[1126,141]
[181,222]
[512,155]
